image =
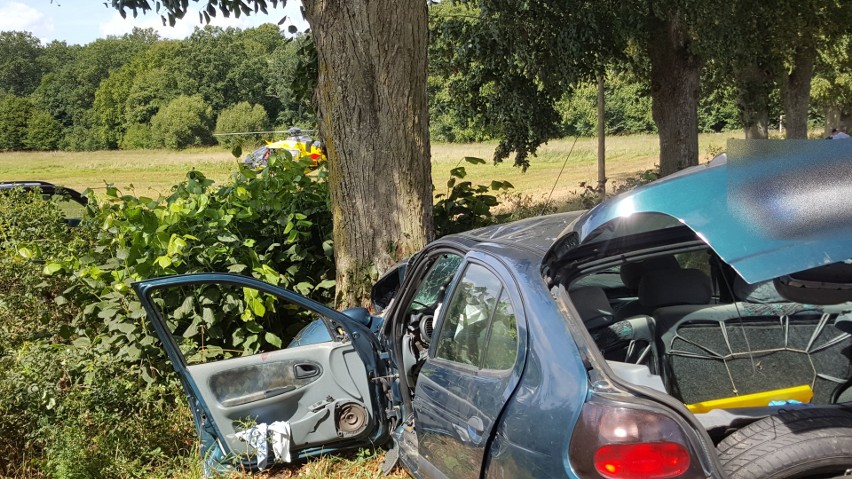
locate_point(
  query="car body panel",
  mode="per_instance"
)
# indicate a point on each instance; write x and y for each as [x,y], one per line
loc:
[457,407]
[775,207]
[304,386]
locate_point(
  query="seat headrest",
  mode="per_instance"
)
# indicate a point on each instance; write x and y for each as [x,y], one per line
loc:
[631,273]
[674,287]
[763,292]
[592,304]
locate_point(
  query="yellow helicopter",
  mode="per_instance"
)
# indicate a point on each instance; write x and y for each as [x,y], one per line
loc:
[297,142]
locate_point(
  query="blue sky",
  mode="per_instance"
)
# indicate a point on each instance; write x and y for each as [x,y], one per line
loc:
[82,21]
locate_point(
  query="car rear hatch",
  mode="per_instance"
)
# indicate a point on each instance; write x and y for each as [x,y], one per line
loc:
[775,208]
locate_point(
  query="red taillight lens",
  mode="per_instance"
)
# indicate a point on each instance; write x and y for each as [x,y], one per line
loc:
[647,460]
[617,440]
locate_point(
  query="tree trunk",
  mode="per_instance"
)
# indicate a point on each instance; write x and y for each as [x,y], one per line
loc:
[832,119]
[754,85]
[371,96]
[796,89]
[675,74]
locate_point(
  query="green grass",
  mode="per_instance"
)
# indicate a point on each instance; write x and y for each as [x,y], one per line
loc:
[155,171]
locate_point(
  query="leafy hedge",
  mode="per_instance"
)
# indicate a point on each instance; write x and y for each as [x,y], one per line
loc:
[85,390]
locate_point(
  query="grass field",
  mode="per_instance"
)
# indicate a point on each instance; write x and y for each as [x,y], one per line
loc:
[153,171]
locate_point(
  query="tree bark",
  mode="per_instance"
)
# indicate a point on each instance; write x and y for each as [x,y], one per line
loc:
[371,96]
[796,91]
[832,118]
[754,85]
[675,74]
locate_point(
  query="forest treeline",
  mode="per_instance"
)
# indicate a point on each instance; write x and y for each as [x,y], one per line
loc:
[142,91]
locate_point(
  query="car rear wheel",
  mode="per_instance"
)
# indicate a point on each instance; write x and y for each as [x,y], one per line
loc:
[807,443]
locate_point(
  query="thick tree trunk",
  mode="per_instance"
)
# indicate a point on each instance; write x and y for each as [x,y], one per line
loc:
[832,119]
[796,90]
[754,84]
[675,74]
[371,94]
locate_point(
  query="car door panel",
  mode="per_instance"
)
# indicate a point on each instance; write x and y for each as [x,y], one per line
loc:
[458,405]
[263,388]
[321,390]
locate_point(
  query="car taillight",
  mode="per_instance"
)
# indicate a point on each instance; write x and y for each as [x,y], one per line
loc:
[643,460]
[621,441]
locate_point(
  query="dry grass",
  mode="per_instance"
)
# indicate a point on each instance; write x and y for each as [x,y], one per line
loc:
[155,171]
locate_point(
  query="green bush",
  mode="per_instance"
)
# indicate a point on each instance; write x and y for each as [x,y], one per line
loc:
[240,118]
[466,206]
[138,136]
[628,108]
[184,121]
[14,115]
[85,389]
[44,133]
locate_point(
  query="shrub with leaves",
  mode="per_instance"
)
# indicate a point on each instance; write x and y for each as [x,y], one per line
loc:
[466,206]
[84,387]
[241,118]
[274,225]
[184,121]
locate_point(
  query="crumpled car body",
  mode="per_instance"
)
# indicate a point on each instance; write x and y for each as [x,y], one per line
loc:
[659,334]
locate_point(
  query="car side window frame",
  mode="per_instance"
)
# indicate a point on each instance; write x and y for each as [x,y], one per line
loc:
[517,308]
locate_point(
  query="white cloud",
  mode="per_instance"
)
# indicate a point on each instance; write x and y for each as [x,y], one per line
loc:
[21,17]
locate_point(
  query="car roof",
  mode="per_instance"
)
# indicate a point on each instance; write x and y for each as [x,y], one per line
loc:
[45,187]
[535,234]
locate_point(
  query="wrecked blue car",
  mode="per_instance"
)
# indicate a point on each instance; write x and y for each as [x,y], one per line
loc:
[698,326]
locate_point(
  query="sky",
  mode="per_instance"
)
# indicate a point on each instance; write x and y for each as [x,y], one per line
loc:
[83,21]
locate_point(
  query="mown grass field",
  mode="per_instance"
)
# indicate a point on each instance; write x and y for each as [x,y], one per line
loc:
[153,171]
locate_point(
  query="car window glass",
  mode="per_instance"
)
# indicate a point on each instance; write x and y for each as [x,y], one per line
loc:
[465,330]
[211,322]
[503,338]
[69,207]
[432,287]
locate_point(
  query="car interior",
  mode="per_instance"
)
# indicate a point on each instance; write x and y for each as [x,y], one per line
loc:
[682,321]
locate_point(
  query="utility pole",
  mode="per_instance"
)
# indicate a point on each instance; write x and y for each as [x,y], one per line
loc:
[601,139]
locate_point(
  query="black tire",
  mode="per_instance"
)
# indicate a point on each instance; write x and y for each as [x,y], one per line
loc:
[805,443]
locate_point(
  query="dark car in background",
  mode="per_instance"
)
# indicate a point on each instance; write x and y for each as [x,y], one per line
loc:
[695,327]
[71,202]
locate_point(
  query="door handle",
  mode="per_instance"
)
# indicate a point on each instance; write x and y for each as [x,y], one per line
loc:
[306,370]
[475,428]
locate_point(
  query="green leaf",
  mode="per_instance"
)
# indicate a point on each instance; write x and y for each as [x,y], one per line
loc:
[51,268]
[326,284]
[237,268]
[26,253]
[257,307]
[272,339]
[474,160]
[303,288]
[164,261]
[458,172]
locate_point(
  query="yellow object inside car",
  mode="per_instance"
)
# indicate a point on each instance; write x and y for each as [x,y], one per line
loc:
[802,394]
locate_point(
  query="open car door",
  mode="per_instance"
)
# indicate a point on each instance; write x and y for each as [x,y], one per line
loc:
[245,402]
